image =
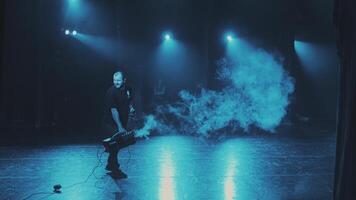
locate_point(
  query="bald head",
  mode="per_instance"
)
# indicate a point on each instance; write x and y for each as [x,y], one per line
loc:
[118,79]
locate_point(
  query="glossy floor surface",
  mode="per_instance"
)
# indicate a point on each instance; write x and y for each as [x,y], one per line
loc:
[175,167]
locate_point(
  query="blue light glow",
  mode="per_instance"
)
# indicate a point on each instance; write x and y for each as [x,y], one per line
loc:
[75,11]
[67,32]
[109,48]
[167,188]
[171,57]
[256,92]
[315,58]
[229,38]
[74,5]
[74,32]
[229,183]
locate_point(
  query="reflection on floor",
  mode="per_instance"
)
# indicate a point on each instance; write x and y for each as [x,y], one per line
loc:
[175,168]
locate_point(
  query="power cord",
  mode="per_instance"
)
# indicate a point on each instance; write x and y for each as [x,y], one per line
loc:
[58,187]
[39,193]
[92,172]
[128,161]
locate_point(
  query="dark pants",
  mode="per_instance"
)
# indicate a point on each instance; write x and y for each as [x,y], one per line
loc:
[110,129]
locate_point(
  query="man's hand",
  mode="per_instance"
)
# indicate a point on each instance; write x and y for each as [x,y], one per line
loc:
[121,130]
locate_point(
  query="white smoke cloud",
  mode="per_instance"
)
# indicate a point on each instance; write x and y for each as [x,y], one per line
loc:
[256,92]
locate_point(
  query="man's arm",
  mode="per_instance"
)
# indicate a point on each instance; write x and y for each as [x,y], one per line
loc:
[130,98]
[116,117]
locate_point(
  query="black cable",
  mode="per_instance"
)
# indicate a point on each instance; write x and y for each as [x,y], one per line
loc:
[38,193]
[45,197]
[98,179]
[75,184]
[100,163]
[92,172]
[128,161]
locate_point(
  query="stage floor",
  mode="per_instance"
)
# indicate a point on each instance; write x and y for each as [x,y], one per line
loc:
[175,167]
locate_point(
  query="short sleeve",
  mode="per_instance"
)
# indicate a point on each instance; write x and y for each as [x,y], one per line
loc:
[130,94]
[110,103]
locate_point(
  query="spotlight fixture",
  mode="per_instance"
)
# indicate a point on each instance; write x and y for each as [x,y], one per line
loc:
[67,32]
[229,38]
[74,32]
[167,36]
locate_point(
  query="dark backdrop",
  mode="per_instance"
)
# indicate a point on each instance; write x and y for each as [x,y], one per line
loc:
[52,83]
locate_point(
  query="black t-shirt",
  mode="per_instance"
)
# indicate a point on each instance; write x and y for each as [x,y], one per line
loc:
[120,99]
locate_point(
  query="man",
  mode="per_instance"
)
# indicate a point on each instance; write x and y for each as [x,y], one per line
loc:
[118,108]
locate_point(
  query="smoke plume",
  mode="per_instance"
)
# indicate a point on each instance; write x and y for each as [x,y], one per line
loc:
[255,92]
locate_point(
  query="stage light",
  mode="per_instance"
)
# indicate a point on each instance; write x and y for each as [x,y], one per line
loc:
[67,32]
[167,36]
[73,1]
[74,32]
[229,38]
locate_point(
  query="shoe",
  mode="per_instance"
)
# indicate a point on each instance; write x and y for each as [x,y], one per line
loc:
[118,174]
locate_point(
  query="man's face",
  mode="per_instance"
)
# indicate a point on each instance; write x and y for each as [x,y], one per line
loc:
[118,80]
